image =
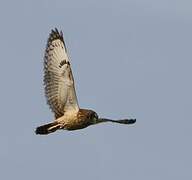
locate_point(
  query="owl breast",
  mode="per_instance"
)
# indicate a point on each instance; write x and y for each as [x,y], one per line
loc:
[73,121]
[77,124]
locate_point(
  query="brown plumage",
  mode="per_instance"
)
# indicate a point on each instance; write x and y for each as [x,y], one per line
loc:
[60,91]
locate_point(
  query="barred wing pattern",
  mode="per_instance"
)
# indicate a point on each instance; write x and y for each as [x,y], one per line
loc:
[58,78]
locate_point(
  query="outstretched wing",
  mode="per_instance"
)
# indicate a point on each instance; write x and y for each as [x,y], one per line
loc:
[121,121]
[58,78]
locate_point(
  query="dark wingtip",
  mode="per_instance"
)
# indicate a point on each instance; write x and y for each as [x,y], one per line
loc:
[127,121]
[56,30]
[132,121]
[54,35]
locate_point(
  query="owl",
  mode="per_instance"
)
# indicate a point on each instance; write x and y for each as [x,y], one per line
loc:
[60,91]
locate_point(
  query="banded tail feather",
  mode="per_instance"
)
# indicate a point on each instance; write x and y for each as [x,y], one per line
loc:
[47,128]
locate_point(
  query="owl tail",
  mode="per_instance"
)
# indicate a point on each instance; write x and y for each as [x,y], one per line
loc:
[47,128]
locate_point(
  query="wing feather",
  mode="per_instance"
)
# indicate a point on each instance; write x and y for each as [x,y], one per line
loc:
[58,77]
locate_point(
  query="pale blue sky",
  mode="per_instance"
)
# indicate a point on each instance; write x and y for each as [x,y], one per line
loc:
[130,58]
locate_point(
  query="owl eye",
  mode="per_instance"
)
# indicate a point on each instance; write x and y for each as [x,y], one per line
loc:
[95,116]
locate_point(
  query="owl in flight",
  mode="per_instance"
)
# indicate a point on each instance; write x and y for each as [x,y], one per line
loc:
[60,91]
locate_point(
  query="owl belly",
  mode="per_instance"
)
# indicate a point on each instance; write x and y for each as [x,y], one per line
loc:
[71,121]
[76,124]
